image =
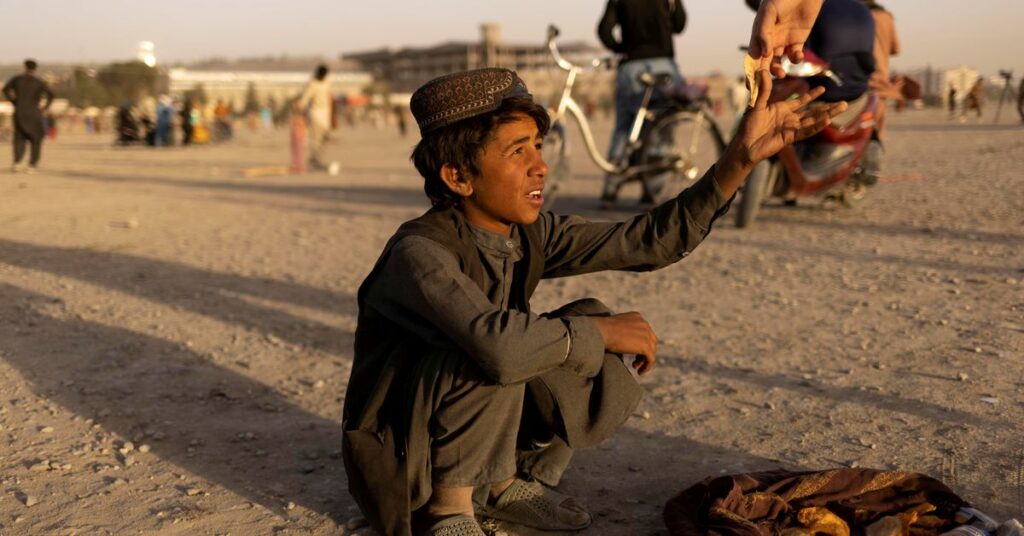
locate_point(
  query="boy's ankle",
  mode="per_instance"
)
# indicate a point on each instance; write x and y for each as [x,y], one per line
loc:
[498,489]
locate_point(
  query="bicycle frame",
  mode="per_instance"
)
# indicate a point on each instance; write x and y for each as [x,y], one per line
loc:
[567,104]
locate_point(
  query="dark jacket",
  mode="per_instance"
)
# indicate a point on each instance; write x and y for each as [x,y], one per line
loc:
[646,27]
[26,91]
[844,36]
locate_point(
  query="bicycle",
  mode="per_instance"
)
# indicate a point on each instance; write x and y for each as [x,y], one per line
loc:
[669,145]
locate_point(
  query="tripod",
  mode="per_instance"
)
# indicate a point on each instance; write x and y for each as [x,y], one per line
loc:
[1007,91]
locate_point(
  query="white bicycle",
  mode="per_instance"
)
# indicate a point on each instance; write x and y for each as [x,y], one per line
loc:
[669,146]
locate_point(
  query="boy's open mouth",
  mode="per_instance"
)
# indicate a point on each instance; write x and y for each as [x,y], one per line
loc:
[536,196]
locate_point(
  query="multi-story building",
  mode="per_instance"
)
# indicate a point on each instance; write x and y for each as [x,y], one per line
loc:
[406,69]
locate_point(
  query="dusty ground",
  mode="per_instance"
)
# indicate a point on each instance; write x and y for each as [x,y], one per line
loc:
[158,298]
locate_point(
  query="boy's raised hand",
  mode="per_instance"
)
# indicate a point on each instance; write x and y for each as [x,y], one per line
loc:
[767,128]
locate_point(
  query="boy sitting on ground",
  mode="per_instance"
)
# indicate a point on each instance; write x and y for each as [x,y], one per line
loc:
[459,393]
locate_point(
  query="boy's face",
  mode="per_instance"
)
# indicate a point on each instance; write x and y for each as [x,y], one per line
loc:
[508,188]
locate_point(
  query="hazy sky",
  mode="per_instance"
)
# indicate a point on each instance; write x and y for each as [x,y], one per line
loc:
[985,34]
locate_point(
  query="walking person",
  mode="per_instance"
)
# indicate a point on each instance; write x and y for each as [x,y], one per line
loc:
[646,28]
[317,99]
[1020,100]
[974,100]
[26,91]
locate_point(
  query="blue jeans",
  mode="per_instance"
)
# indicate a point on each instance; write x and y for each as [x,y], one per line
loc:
[629,95]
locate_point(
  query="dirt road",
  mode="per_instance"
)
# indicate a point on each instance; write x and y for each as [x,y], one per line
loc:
[175,339]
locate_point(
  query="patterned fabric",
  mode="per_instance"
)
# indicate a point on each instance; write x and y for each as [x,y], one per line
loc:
[454,97]
[762,504]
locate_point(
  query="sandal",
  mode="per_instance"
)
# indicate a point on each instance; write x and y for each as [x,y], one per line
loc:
[530,504]
[457,525]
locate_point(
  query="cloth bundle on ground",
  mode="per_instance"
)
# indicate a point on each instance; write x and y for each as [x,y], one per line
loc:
[838,502]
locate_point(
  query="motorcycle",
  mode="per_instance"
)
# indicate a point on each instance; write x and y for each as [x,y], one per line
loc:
[838,164]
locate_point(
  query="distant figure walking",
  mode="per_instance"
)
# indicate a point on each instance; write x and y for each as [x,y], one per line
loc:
[975,99]
[26,91]
[317,99]
[951,97]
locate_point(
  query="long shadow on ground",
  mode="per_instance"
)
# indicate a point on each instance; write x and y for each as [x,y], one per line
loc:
[135,384]
[411,195]
[217,295]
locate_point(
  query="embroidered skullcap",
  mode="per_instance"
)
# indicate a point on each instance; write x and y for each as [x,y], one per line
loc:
[454,97]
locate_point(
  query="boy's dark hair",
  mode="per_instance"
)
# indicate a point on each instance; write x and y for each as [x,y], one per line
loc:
[460,144]
[30,65]
[321,72]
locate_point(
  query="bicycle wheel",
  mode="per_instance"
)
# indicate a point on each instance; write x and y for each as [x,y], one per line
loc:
[556,154]
[685,141]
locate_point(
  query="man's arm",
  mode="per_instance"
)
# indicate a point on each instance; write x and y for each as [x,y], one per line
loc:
[305,98]
[49,96]
[422,288]
[895,35]
[605,27]
[678,16]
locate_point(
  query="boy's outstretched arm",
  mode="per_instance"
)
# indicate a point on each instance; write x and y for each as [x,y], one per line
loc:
[766,129]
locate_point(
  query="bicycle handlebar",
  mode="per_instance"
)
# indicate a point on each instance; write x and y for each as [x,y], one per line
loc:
[561,61]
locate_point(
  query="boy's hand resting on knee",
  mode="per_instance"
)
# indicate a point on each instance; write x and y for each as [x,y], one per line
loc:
[629,333]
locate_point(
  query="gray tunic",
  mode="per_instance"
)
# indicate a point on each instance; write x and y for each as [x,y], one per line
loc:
[442,288]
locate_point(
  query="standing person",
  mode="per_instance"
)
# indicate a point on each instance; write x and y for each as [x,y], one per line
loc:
[297,136]
[1020,99]
[164,120]
[887,44]
[186,121]
[646,28]
[458,391]
[26,91]
[400,117]
[317,99]
[222,121]
[267,118]
[974,100]
[951,98]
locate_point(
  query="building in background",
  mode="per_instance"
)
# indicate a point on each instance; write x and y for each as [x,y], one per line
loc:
[406,69]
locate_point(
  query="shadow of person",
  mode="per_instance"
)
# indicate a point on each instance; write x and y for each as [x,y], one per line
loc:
[227,297]
[408,194]
[210,421]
